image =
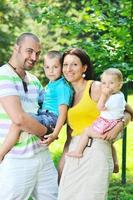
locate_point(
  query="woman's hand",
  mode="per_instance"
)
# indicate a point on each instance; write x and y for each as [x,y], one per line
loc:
[113,133]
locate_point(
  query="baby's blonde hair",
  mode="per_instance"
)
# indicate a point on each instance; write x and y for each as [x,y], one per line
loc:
[114,71]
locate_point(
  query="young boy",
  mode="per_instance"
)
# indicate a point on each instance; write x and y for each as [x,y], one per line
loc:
[112,105]
[54,101]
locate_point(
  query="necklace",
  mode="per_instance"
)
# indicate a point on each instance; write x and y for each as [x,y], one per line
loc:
[25,86]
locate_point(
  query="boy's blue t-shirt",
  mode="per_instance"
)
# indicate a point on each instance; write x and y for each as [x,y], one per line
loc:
[54,94]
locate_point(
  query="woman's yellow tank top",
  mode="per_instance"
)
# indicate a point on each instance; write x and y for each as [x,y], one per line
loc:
[84,113]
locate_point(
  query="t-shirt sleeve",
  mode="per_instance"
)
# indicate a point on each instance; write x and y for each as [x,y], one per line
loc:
[116,101]
[65,95]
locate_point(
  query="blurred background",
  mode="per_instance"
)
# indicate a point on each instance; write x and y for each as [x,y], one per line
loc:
[103,28]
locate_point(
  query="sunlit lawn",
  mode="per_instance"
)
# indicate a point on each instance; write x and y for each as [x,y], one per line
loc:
[117,191]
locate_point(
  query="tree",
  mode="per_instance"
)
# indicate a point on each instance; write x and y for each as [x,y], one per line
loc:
[102,28]
[11,21]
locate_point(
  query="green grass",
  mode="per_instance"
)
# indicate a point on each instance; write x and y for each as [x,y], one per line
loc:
[117,191]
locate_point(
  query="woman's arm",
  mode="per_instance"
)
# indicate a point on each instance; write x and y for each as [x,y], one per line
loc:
[20,118]
[129,109]
[66,147]
[113,133]
[95,91]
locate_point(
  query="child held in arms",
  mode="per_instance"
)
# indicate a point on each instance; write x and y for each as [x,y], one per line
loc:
[111,105]
[54,101]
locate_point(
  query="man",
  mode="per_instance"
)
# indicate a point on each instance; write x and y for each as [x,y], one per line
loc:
[27,170]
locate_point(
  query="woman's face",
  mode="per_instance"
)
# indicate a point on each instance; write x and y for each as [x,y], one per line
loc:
[73,68]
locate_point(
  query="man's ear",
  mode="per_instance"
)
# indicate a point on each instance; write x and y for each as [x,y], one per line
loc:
[16,47]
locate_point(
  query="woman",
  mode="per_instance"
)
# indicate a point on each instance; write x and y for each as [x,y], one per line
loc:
[86,178]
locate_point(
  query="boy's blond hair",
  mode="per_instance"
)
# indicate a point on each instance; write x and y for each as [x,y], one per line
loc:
[54,54]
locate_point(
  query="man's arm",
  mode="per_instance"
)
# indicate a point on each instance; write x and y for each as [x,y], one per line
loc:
[112,134]
[20,118]
[10,140]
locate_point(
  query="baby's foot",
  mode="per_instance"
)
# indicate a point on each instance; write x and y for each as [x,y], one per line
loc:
[116,168]
[74,154]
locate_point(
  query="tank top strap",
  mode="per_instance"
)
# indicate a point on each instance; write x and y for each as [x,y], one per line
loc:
[88,87]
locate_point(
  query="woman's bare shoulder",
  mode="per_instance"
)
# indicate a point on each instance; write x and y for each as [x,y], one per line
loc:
[96,90]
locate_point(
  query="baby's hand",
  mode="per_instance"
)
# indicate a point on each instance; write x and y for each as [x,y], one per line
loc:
[106,91]
[48,139]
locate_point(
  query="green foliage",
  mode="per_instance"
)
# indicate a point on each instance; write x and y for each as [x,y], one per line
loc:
[10,22]
[102,28]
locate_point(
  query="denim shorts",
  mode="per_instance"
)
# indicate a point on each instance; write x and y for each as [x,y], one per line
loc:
[46,118]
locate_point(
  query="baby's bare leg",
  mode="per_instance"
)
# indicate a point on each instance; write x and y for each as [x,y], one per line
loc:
[83,141]
[115,159]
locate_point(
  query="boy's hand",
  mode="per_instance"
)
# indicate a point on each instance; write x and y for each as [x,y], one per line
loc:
[48,139]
